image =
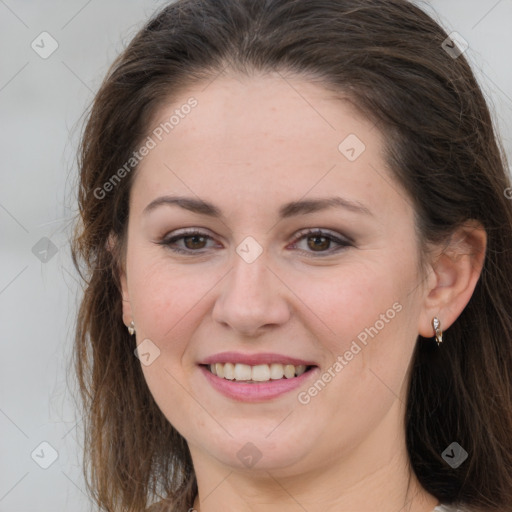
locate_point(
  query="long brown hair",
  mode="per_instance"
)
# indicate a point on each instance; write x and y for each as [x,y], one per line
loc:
[388,57]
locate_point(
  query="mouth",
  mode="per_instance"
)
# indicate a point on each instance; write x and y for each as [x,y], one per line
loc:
[256,374]
[256,377]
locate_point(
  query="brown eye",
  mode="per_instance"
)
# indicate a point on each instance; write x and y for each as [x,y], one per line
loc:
[318,243]
[194,242]
[191,242]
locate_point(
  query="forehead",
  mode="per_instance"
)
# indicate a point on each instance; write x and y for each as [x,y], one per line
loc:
[256,139]
[262,113]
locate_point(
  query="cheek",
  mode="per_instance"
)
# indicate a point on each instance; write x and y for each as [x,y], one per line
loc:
[370,339]
[352,297]
[166,297]
[365,313]
[168,302]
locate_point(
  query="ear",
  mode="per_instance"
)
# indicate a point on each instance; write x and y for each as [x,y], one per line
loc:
[112,246]
[454,272]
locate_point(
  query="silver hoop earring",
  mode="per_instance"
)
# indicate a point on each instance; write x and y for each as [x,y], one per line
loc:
[436,324]
[131,328]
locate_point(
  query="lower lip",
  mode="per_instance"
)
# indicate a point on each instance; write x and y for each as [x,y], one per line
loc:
[245,392]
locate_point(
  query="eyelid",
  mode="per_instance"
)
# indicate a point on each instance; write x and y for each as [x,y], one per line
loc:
[325,231]
[179,234]
[343,241]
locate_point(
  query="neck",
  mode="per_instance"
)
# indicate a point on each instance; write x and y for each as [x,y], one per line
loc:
[372,476]
[312,493]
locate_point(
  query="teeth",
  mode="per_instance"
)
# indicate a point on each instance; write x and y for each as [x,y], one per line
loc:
[242,372]
[229,371]
[261,372]
[257,373]
[276,371]
[289,371]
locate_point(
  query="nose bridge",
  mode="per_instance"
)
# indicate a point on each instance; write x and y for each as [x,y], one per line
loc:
[251,296]
[250,271]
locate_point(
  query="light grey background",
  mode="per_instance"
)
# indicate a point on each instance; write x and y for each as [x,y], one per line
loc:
[41,101]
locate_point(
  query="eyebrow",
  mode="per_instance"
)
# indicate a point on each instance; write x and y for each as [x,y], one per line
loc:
[290,209]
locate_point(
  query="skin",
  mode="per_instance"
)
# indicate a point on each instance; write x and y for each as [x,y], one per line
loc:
[251,145]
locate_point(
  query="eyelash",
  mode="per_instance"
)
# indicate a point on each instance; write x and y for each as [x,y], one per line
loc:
[343,243]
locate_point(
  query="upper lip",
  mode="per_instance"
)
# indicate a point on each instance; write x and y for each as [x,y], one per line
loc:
[255,359]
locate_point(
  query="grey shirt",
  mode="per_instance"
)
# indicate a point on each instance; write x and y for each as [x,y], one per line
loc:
[449,508]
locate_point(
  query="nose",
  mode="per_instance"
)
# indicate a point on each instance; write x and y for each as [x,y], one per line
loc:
[252,299]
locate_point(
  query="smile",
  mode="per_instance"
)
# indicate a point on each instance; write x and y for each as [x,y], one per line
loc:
[239,381]
[257,373]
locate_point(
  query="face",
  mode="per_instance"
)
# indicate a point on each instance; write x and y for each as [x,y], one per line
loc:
[272,273]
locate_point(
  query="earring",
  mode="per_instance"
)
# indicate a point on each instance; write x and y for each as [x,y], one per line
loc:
[436,324]
[131,328]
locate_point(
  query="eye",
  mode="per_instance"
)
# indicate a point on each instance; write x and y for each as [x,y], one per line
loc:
[320,241]
[317,241]
[193,241]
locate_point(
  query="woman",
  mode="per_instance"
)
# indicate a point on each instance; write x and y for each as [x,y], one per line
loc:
[296,240]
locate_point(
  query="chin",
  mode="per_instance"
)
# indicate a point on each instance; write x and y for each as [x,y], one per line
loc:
[253,451]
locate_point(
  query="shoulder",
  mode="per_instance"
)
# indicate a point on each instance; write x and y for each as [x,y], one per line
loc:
[167,506]
[451,508]
[161,506]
